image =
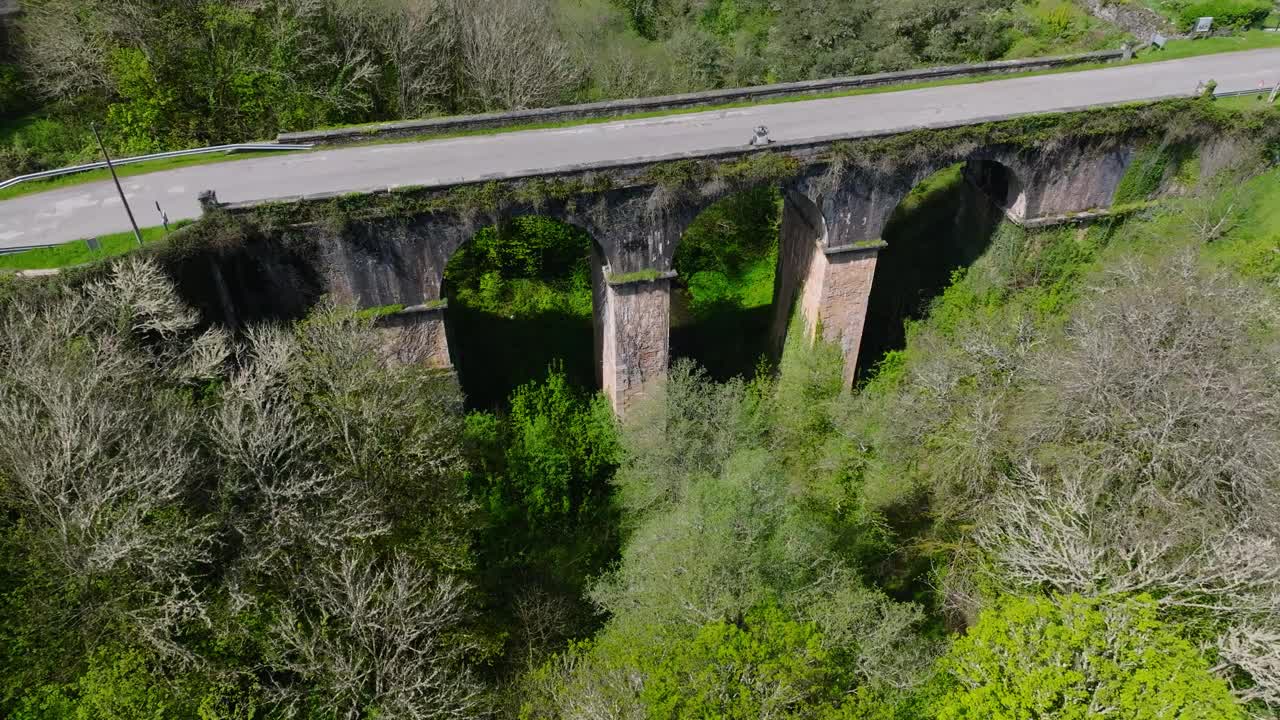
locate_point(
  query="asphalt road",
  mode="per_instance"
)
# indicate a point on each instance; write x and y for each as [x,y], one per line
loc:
[95,209]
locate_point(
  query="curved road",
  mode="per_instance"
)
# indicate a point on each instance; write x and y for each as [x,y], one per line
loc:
[94,209]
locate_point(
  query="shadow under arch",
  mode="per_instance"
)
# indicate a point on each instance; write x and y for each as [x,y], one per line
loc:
[945,223]
[520,300]
[723,295]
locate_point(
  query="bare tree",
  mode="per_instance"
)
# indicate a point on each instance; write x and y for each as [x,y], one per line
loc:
[1254,651]
[287,509]
[1148,458]
[1217,211]
[512,56]
[379,639]
[417,39]
[1071,534]
[99,457]
[65,47]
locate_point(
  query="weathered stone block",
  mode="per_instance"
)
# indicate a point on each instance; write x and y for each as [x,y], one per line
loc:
[416,336]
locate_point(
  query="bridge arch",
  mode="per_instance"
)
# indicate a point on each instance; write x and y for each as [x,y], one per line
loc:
[945,222]
[725,263]
[835,235]
[519,299]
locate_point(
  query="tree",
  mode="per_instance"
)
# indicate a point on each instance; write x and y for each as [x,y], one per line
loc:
[377,639]
[1148,463]
[66,48]
[415,40]
[1072,657]
[765,667]
[99,460]
[512,57]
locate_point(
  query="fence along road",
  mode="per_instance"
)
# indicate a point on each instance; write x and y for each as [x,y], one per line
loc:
[93,209]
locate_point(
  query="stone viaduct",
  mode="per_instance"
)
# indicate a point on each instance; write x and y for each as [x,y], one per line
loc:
[392,248]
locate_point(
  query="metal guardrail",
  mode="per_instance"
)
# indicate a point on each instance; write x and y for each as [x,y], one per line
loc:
[21,248]
[239,147]
[1239,93]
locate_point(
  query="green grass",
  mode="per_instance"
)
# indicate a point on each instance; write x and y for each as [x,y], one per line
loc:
[143,168]
[1252,247]
[1178,49]
[373,313]
[633,277]
[1246,103]
[77,252]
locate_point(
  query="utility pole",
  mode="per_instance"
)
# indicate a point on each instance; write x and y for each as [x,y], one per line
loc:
[115,178]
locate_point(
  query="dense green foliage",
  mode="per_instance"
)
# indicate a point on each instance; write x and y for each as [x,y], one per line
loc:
[1073,657]
[160,75]
[520,300]
[725,265]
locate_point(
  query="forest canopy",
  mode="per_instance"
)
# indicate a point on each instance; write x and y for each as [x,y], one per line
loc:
[1051,494]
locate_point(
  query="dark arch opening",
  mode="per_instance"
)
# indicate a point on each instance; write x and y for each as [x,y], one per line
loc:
[996,181]
[722,298]
[520,300]
[945,223]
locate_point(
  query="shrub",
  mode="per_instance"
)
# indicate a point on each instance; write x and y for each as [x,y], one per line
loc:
[1234,14]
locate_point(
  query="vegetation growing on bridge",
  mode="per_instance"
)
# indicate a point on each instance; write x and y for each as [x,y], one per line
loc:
[675,181]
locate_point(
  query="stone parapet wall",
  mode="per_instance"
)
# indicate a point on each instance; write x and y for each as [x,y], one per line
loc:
[709,99]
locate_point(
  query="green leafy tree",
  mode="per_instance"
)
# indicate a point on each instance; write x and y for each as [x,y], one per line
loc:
[765,666]
[1075,657]
[557,449]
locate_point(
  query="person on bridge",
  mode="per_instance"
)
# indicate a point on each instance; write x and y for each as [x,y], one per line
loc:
[761,136]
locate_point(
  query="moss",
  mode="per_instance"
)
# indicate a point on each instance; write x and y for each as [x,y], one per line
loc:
[633,277]
[1135,120]
[374,313]
[868,244]
[759,168]
[676,175]
[681,178]
[1142,178]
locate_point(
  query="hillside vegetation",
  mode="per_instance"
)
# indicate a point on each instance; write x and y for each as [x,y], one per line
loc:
[1054,497]
[165,74]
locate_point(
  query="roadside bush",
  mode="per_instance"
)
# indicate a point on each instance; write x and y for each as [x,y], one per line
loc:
[1235,14]
[41,143]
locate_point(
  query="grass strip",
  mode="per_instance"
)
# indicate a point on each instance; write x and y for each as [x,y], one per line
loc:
[77,252]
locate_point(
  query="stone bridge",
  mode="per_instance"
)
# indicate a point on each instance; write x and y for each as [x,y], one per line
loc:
[838,199]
